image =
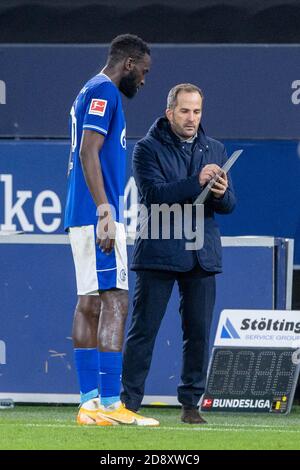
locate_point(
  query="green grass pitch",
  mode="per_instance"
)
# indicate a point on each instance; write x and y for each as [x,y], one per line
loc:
[54,427]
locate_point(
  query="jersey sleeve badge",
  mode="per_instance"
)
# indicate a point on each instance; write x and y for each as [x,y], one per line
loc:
[98,107]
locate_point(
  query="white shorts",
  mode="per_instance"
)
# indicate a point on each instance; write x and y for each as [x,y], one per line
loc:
[94,269]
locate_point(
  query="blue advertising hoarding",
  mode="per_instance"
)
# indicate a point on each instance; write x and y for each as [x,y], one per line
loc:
[38,297]
[37,281]
[33,188]
[251,91]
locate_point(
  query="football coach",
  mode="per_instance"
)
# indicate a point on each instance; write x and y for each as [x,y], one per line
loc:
[171,165]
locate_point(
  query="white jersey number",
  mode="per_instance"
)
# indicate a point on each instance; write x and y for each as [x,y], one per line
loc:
[74,129]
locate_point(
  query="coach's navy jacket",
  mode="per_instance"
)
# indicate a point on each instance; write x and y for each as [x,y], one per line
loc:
[164,173]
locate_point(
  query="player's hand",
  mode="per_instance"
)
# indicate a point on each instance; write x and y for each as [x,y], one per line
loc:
[106,231]
[220,186]
[208,172]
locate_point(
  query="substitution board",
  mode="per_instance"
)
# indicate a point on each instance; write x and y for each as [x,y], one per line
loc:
[255,362]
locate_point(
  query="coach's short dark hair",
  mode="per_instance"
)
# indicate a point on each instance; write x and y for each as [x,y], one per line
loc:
[127,45]
[173,93]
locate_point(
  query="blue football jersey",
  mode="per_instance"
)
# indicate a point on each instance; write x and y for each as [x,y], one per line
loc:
[98,107]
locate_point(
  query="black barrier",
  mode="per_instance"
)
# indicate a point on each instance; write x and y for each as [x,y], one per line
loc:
[222,21]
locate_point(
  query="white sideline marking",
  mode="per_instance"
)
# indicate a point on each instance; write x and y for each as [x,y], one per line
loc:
[233,428]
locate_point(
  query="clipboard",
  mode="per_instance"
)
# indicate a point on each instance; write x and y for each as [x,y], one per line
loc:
[225,168]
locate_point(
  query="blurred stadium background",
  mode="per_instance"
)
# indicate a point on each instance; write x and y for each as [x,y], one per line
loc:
[245,55]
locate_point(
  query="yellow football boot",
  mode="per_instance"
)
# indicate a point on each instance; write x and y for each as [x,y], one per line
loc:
[120,414]
[87,414]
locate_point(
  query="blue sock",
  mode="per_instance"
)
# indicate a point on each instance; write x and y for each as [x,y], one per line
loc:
[86,361]
[110,368]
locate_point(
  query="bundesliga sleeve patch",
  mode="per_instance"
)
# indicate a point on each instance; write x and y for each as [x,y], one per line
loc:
[98,107]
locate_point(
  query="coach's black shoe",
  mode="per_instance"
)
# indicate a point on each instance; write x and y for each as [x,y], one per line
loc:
[191,416]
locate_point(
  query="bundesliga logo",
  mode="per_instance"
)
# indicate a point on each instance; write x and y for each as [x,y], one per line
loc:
[98,107]
[207,403]
[236,403]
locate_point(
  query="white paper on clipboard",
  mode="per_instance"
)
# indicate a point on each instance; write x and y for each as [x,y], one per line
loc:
[225,168]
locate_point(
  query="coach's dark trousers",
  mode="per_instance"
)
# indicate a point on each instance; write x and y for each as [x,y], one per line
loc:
[152,293]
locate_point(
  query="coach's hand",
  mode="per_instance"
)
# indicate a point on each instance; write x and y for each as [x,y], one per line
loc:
[208,172]
[220,186]
[106,232]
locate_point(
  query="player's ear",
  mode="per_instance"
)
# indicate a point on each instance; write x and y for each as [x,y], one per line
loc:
[129,63]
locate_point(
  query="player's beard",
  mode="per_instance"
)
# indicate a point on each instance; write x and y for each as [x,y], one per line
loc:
[128,85]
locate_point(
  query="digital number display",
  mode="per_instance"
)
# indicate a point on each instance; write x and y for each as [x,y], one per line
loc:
[250,379]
